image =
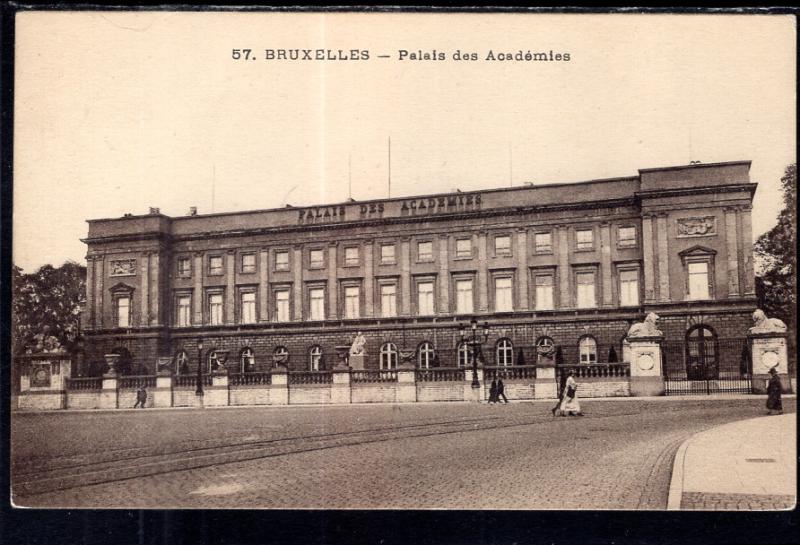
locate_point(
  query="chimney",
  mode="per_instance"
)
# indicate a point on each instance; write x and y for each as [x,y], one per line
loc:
[154,210]
[192,210]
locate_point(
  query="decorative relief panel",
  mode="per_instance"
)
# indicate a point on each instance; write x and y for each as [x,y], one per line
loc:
[697,227]
[122,267]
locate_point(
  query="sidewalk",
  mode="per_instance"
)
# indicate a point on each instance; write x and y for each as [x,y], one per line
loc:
[742,466]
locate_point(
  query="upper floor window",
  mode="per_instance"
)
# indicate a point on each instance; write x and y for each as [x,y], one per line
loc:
[282,260]
[215,308]
[425,305]
[698,281]
[626,236]
[586,297]
[463,247]
[426,355]
[215,264]
[587,348]
[316,259]
[629,287]
[544,292]
[504,352]
[389,300]
[248,307]
[122,311]
[282,313]
[425,251]
[183,311]
[248,263]
[184,266]
[464,296]
[543,243]
[698,262]
[316,303]
[584,239]
[388,356]
[351,256]
[387,254]
[503,296]
[502,245]
[352,302]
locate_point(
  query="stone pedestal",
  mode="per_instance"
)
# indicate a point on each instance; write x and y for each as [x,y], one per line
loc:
[769,351]
[545,386]
[43,381]
[162,395]
[340,389]
[646,374]
[406,384]
[216,395]
[109,395]
[470,393]
[357,361]
[279,390]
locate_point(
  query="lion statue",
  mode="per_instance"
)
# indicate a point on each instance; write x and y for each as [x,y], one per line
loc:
[647,328]
[762,324]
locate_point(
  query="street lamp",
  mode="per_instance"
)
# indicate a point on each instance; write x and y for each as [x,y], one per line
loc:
[199,390]
[474,339]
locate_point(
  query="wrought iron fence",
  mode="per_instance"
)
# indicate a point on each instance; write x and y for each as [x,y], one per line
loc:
[93,383]
[310,377]
[372,375]
[137,381]
[707,366]
[249,379]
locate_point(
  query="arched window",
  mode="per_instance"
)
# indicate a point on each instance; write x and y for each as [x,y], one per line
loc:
[464,355]
[212,360]
[425,355]
[504,352]
[314,358]
[388,356]
[701,353]
[182,363]
[247,360]
[587,347]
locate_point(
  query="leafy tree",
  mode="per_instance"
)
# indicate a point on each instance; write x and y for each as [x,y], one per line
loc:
[46,307]
[777,254]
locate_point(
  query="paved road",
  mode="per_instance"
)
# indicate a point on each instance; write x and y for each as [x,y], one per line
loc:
[423,456]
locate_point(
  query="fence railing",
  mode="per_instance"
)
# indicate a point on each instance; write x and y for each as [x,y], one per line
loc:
[136,381]
[310,377]
[510,372]
[249,379]
[709,360]
[189,381]
[372,375]
[93,383]
[442,374]
[596,370]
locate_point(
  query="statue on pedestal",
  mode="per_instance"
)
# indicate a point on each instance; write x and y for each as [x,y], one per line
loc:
[762,324]
[647,328]
[358,353]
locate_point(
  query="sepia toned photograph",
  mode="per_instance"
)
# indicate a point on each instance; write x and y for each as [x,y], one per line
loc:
[404,261]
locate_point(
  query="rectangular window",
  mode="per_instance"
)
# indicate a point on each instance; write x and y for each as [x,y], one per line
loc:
[544,292]
[387,254]
[351,302]
[584,239]
[425,305]
[464,297]
[248,307]
[282,306]
[503,296]
[626,237]
[215,309]
[586,291]
[281,261]
[316,308]
[248,263]
[183,312]
[464,247]
[351,256]
[215,264]
[184,266]
[543,243]
[698,281]
[316,259]
[502,245]
[388,300]
[123,310]
[425,251]
[628,288]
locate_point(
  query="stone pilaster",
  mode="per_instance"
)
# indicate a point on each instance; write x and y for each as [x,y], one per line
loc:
[522,270]
[405,276]
[297,267]
[197,298]
[406,385]
[340,389]
[332,311]
[154,305]
[444,275]
[263,285]
[279,389]
[747,250]
[605,264]
[99,280]
[564,299]
[90,288]
[230,287]
[369,290]
[483,276]
[649,259]
[732,247]
[144,268]
[663,258]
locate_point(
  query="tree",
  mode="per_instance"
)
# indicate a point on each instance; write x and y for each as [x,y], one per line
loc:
[46,307]
[776,252]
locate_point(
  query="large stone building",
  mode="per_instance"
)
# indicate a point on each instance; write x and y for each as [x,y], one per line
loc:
[570,264]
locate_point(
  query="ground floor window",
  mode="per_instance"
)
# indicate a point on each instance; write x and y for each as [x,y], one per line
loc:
[388,356]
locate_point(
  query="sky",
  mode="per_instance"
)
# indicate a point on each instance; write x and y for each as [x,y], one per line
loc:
[117,112]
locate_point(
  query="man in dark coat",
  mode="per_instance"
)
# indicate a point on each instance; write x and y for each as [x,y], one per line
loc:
[141,397]
[774,393]
[501,390]
[493,392]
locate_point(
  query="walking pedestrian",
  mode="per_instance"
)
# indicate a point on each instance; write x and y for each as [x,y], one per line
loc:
[501,391]
[141,397]
[568,404]
[493,391]
[774,393]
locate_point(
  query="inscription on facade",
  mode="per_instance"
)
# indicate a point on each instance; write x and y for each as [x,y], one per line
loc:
[697,227]
[122,267]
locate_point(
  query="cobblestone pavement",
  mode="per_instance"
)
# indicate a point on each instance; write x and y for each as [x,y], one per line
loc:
[704,501]
[421,456]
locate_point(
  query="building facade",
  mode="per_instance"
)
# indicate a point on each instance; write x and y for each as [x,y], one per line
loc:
[573,265]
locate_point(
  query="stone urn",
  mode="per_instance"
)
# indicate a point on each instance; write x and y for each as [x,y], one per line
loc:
[112,360]
[222,357]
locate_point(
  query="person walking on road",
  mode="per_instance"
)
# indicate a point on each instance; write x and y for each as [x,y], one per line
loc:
[774,404]
[501,389]
[141,397]
[493,391]
[569,405]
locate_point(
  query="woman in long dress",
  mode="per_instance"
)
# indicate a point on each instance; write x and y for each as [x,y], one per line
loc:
[569,398]
[774,405]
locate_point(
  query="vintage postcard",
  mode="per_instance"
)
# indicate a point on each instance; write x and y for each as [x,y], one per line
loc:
[395,260]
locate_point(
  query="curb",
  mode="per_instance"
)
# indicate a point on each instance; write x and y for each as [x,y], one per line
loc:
[676,482]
